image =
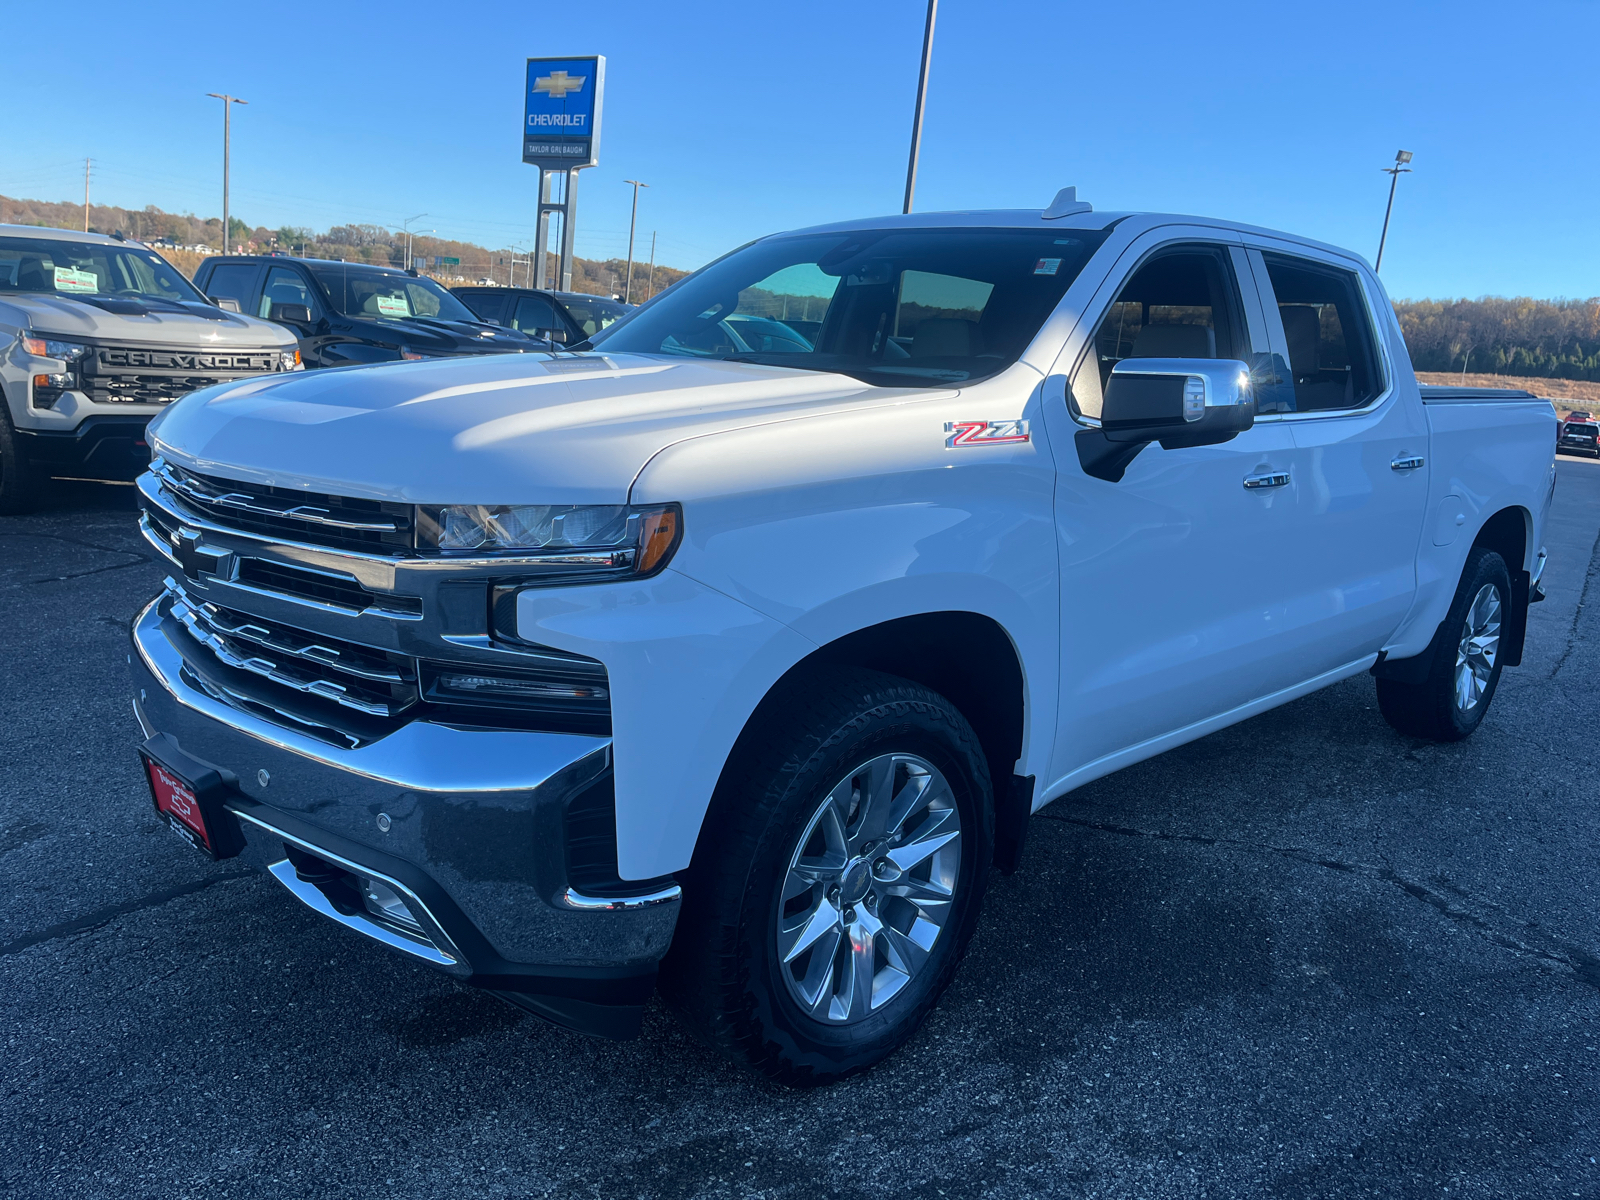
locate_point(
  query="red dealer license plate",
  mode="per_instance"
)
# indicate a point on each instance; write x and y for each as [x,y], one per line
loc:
[175,800]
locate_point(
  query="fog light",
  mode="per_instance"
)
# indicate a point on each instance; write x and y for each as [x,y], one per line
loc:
[522,689]
[47,389]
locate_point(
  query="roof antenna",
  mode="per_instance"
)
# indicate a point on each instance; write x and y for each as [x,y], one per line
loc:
[1066,204]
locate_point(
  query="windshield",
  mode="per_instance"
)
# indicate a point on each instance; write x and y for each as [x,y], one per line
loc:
[87,270]
[890,307]
[593,315]
[358,291]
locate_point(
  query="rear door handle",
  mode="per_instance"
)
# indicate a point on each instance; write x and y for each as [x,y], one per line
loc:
[1267,479]
[1409,463]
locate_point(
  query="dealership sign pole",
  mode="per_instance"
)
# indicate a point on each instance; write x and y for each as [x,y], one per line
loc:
[561,135]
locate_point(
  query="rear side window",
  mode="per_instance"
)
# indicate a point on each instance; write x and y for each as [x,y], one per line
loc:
[232,281]
[285,286]
[535,315]
[1327,335]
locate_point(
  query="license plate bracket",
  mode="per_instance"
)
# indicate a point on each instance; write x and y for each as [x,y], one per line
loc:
[191,799]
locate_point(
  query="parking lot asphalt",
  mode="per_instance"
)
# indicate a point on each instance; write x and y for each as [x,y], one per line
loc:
[1303,957]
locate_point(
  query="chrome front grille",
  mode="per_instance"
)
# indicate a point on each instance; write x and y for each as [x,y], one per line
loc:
[350,676]
[342,522]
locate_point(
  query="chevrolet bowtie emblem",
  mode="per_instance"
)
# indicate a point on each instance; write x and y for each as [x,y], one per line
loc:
[558,83]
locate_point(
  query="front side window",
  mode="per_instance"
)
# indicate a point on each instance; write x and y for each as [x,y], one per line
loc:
[90,271]
[233,282]
[1327,335]
[1182,303]
[536,317]
[893,308]
[357,291]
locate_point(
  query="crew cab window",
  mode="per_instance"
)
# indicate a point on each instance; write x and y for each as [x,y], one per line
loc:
[285,286]
[1183,303]
[537,316]
[233,281]
[1327,334]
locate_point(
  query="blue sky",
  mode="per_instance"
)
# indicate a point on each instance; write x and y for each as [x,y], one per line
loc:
[746,118]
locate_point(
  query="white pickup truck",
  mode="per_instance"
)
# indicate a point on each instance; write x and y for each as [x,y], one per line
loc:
[731,652]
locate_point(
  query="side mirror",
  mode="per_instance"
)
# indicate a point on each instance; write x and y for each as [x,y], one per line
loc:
[290,314]
[227,304]
[1178,401]
[1175,401]
[552,335]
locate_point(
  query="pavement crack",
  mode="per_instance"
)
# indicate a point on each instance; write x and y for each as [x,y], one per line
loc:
[104,916]
[1577,613]
[1488,919]
[138,562]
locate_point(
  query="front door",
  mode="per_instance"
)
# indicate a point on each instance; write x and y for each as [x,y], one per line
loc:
[1172,596]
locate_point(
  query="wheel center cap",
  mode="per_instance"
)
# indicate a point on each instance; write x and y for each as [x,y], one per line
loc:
[857,879]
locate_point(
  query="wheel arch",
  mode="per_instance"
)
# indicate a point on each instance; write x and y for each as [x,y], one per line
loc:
[969,659]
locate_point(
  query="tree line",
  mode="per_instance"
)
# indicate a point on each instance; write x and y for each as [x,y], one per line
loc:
[372,244]
[1546,339]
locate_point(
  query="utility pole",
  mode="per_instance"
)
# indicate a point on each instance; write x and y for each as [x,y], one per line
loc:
[650,287]
[86,195]
[1401,158]
[627,294]
[227,136]
[922,95]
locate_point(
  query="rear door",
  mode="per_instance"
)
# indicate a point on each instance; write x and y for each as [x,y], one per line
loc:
[1359,460]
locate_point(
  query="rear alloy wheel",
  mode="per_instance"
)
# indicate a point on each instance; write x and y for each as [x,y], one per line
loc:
[838,878]
[1465,659]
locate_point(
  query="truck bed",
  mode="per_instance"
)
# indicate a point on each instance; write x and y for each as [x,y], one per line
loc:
[1435,394]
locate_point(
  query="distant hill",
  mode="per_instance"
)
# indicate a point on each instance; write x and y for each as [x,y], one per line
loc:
[191,238]
[1548,339]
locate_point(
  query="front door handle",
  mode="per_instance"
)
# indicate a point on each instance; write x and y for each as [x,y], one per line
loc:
[1267,479]
[1409,463]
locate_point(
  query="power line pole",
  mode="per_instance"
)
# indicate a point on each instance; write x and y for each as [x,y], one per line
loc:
[650,286]
[227,137]
[627,295]
[1401,158]
[86,195]
[922,95]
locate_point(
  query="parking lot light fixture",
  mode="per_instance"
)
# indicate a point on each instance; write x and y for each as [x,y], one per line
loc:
[1401,158]
[627,294]
[227,136]
[405,227]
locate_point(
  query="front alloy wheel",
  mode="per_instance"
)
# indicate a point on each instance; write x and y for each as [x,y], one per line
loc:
[869,888]
[1478,649]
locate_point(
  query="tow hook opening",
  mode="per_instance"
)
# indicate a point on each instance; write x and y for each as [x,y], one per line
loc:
[355,895]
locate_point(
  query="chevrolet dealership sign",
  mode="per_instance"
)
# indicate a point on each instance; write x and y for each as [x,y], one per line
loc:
[561,124]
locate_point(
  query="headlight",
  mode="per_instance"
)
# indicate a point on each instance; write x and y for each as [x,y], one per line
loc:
[50,348]
[557,543]
[289,360]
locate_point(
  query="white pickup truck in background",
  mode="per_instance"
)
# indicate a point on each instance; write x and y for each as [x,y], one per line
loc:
[735,650]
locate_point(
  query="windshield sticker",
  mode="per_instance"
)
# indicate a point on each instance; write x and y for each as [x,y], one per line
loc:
[70,279]
[984,433]
[1047,266]
[393,306]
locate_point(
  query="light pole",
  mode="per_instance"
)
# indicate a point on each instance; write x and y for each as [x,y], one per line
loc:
[405,227]
[922,95]
[627,294]
[1401,158]
[227,137]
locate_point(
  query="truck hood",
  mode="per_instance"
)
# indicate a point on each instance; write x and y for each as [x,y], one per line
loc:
[109,318]
[512,429]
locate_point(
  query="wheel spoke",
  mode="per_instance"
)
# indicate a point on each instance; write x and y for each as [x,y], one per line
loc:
[863,964]
[903,953]
[796,938]
[937,832]
[877,798]
[817,988]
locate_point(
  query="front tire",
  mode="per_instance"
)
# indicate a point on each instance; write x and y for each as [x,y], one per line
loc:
[838,880]
[1454,698]
[19,481]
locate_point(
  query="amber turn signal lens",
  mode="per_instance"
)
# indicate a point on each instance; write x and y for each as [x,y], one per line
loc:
[658,539]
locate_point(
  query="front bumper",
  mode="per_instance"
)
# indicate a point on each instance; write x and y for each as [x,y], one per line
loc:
[108,446]
[466,829]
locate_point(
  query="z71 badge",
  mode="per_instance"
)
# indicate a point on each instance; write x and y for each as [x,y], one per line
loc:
[984,433]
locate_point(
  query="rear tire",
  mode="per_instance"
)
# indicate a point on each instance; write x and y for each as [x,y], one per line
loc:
[838,878]
[1466,660]
[19,482]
